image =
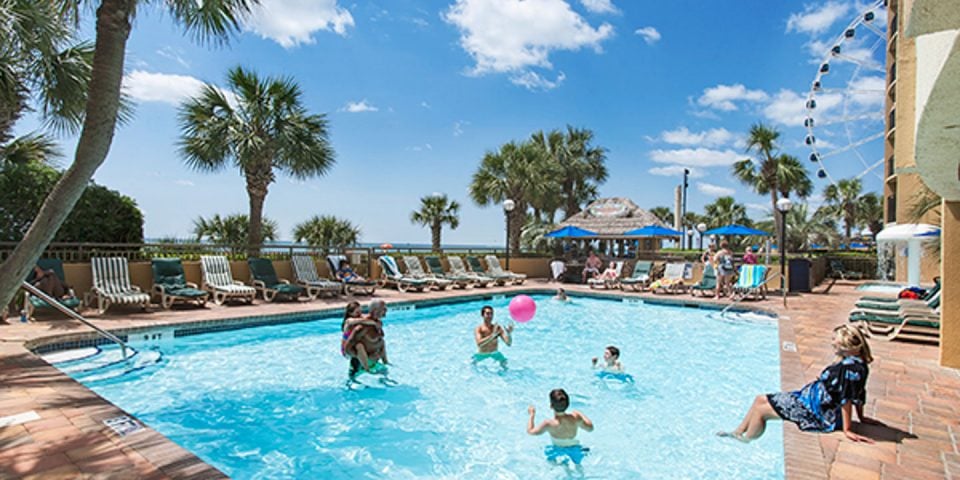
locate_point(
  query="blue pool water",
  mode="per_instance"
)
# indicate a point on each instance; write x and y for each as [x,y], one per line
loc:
[271,402]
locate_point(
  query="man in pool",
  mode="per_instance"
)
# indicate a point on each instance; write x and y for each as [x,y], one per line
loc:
[366,343]
[487,336]
[562,429]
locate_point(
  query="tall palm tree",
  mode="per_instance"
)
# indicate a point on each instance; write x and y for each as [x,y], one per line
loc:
[724,211]
[231,230]
[843,198]
[870,211]
[436,210]
[207,21]
[327,232]
[579,165]
[264,129]
[512,172]
[665,214]
[771,173]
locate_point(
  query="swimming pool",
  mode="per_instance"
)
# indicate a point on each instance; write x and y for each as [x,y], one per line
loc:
[271,402]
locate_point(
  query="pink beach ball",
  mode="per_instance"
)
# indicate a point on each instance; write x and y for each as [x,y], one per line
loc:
[522,308]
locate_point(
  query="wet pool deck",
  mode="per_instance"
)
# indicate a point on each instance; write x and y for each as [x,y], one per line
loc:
[917,400]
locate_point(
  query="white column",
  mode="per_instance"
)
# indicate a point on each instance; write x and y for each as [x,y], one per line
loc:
[913,261]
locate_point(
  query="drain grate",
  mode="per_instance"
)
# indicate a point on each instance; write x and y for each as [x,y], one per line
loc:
[789,347]
[123,426]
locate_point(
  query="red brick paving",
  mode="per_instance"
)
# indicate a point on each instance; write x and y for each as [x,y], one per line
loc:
[917,400]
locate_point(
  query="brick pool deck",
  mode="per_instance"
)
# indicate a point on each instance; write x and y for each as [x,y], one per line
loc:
[917,400]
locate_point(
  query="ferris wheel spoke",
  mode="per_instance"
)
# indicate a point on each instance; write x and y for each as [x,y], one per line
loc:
[878,116]
[851,146]
[873,28]
[871,168]
[869,66]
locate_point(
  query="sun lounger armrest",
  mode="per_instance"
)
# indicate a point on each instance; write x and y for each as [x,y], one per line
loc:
[284,280]
[158,289]
[238,282]
[135,288]
[258,284]
[192,285]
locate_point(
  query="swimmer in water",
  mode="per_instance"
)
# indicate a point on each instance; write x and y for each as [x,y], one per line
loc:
[562,428]
[487,336]
[611,360]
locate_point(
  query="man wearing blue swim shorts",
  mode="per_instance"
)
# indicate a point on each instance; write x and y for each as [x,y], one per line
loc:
[487,336]
[562,429]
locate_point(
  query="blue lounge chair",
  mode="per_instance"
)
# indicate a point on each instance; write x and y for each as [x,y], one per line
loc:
[708,283]
[390,273]
[170,284]
[32,303]
[640,277]
[752,281]
[264,278]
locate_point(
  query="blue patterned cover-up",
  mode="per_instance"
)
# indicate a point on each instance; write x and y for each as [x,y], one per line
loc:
[816,406]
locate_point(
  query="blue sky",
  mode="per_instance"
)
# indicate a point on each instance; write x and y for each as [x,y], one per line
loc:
[417,91]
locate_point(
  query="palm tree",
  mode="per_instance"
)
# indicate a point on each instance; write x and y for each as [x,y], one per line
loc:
[579,166]
[436,210]
[770,173]
[870,211]
[208,21]
[513,172]
[724,211]
[665,214]
[264,129]
[231,230]
[327,232]
[843,198]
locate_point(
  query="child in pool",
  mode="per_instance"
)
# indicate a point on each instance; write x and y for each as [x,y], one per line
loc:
[611,359]
[823,405]
[561,296]
[562,428]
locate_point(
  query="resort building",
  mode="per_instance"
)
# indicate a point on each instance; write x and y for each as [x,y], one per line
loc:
[923,137]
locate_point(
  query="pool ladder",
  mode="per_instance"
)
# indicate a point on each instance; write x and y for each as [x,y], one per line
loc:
[76,316]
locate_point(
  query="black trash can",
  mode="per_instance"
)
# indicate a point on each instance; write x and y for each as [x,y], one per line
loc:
[800,272]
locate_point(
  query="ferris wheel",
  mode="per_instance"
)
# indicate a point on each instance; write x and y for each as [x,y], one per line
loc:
[844,107]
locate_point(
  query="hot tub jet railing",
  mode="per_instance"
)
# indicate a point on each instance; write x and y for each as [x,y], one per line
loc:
[76,316]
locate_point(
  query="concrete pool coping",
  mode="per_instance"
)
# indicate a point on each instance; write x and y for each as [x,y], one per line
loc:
[69,411]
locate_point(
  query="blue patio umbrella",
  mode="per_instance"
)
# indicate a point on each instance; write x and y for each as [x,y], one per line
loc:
[931,233]
[571,232]
[735,229]
[653,231]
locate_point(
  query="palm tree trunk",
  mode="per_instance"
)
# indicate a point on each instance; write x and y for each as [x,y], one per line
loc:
[103,101]
[516,219]
[255,232]
[435,236]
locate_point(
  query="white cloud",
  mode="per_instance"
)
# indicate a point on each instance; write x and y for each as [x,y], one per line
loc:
[715,190]
[458,127]
[292,22]
[516,35]
[722,97]
[358,107]
[696,157]
[815,20]
[676,171]
[173,54]
[185,183]
[160,87]
[868,91]
[533,81]
[760,207]
[424,104]
[649,34]
[710,138]
[599,6]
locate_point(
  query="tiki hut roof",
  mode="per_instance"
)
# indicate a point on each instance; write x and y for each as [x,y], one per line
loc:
[611,217]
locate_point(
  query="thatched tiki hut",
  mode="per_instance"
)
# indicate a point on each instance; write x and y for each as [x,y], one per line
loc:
[611,218]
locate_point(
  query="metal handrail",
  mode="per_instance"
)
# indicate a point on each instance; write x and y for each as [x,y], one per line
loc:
[76,316]
[765,281]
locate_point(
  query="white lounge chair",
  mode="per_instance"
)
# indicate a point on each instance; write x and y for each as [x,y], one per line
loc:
[390,274]
[359,287]
[493,266]
[672,281]
[458,268]
[415,270]
[111,285]
[600,281]
[218,280]
[305,271]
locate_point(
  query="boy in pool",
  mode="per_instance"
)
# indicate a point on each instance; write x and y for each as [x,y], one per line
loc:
[561,296]
[562,429]
[611,358]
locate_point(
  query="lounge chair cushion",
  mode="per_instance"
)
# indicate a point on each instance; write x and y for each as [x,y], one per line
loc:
[71,303]
[893,320]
